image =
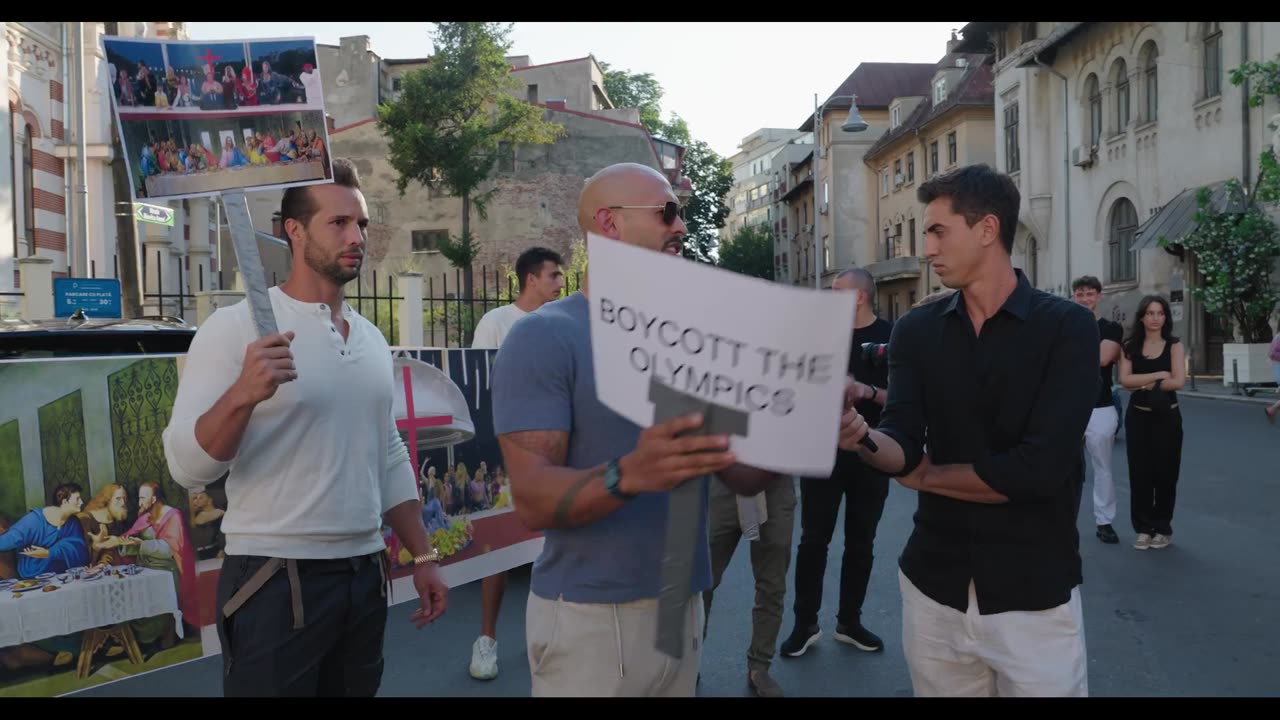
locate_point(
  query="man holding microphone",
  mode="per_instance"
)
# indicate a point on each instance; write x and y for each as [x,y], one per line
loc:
[1001,379]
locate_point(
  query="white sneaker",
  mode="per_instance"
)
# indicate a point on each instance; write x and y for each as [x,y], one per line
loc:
[484,658]
[1160,541]
[1142,542]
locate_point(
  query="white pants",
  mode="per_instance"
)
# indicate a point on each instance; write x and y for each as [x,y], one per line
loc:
[1099,438]
[589,649]
[1009,654]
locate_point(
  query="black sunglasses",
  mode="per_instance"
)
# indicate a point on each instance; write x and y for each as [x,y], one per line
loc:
[670,211]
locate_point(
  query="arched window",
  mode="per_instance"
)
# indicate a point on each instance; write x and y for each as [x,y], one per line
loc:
[1123,225]
[1151,88]
[1211,36]
[1120,79]
[1095,109]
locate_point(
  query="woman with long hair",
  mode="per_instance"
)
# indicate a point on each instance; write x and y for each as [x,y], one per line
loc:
[1152,367]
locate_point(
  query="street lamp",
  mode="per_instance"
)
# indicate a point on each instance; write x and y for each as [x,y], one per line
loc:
[854,123]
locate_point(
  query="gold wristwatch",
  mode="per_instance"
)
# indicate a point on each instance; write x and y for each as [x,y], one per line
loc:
[433,556]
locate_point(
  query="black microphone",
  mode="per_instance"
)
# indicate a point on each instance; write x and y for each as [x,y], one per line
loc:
[866,440]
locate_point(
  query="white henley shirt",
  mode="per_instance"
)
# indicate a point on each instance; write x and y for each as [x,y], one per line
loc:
[321,460]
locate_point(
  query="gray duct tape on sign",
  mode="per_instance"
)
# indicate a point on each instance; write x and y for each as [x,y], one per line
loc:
[684,511]
[245,241]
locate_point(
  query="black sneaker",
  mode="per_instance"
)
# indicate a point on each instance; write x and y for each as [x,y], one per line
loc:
[801,639]
[859,637]
[1107,534]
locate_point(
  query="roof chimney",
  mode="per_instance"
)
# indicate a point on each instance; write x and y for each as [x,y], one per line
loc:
[953,42]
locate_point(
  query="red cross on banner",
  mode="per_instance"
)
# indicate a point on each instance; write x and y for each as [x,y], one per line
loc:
[412,423]
[208,58]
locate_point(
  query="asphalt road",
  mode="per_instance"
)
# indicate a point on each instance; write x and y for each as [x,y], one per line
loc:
[1195,619]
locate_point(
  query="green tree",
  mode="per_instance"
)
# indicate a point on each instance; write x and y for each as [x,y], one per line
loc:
[637,90]
[445,129]
[750,252]
[711,175]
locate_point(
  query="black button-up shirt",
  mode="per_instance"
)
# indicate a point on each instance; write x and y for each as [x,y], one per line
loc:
[1014,402]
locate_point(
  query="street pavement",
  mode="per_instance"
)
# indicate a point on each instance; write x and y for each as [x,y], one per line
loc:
[1195,619]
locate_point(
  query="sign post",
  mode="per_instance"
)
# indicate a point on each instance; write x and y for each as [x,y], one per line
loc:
[155,214]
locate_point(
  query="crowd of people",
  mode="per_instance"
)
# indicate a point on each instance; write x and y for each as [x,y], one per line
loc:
[211,91]
[169,157]
[996,398]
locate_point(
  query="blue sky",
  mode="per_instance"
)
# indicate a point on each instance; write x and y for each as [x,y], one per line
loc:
[726,79]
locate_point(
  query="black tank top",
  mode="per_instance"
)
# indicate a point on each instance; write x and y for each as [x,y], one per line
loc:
[1143,365]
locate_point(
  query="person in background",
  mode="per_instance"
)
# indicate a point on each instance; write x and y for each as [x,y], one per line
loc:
[1153,367]
[540,274]
[862,487]
[1099,437]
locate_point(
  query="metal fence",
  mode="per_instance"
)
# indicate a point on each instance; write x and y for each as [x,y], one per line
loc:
[449,319]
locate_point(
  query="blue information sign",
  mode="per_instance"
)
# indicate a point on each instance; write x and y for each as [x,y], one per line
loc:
[97,297]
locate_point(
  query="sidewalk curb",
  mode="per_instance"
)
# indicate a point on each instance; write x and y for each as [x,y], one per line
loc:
[1228,398]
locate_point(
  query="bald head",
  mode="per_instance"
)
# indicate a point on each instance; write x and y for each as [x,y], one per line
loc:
[855,278]
[645,191]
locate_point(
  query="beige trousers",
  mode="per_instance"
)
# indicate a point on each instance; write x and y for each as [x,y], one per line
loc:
[1009,654]
[607,650]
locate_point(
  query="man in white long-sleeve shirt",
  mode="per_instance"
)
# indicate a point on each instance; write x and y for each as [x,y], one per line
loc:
[302,421]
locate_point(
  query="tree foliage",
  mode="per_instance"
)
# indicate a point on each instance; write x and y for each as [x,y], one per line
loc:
[446,128]
[711,174]
[750,252]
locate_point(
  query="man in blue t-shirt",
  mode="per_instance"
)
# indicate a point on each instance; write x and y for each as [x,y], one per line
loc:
[596,484]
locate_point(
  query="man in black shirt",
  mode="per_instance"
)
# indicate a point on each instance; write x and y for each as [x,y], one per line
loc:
[1100,436]
[1000,379]
[864,488]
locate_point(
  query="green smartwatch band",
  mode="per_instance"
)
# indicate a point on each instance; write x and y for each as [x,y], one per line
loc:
[613,481]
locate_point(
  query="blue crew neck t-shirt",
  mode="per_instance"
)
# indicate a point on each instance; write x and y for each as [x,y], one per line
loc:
[543,379]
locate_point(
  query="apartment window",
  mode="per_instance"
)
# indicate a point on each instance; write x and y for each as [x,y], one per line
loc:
[1151,87]
[1095,110]
[952,152]
[1123,226]
[911,167]
[825,198]
[395,84]
[911,239]
[1012,158]
[428,240]
[1212,59]
[888,244]
[884,182]
[29,186]
[1121,80]
[897,240]
[532,94]
[939,91]
[933,158]
[895,116]
[897,171]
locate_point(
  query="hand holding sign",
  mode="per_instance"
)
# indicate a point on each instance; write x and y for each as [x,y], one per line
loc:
[666,456]
[268,364]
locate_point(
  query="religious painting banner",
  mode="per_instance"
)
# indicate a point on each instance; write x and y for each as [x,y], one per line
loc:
[201,117]
[109,568]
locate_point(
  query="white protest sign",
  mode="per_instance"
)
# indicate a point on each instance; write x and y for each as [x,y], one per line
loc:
[773,356]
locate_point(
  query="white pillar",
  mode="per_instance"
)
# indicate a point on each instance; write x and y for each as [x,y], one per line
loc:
[198,247]
[410,285]
[158,248]
[37,287]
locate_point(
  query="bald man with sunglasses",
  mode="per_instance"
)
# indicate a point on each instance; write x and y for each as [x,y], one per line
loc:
[598,485]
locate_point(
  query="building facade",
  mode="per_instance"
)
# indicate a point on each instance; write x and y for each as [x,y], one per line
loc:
[1109,129]
[53,206]
[537,186]
[750,200]
[843,215]
[946,122]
